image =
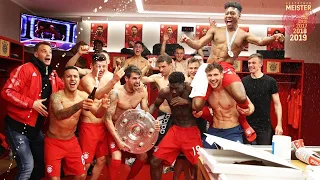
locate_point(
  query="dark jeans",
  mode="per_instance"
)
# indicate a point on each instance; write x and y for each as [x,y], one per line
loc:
[28,152]
[264,136]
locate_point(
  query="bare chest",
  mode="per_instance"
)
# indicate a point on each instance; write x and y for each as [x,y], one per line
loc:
[140,63]
[220,39]
[162,83]
[127,101]
[221,100]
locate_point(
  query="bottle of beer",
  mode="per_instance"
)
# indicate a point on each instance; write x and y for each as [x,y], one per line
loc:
[92,94]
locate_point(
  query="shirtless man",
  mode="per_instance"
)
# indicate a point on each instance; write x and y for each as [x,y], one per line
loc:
[180,64]
[184,135]
[92,130]
[227,44]
[61,142]
[225,109]
[165,66]
[124,98]
[83,50]
[101,75]
[138,60]
[204,120]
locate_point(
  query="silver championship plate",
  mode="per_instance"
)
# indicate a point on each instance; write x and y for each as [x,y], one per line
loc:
[137,129]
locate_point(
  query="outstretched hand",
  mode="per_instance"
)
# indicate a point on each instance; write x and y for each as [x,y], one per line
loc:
[117,76]
[105,103]
[212,23]
[184,38]
[39,107]
[165,37]
[279,37]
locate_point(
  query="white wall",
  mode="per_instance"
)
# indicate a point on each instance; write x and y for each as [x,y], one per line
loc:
[151,34]
[10,19]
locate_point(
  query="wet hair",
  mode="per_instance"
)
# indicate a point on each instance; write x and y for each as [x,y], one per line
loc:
[106,52]
[213,66]
[234,5]
[176,77]
[164,58]
[36,47]
[132,69]
[193,60]
[179,47]
[70,67]
[256,55]
[139,42]
[98,57]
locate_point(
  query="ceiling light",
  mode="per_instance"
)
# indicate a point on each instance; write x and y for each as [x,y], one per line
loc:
[139,6]
[316,10]
[140,9]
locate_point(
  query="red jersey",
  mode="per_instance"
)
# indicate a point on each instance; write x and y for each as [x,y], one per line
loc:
[132,39]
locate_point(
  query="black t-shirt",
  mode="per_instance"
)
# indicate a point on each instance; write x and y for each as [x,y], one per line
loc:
[260,92]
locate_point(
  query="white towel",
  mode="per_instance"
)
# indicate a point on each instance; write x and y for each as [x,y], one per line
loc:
[199,83]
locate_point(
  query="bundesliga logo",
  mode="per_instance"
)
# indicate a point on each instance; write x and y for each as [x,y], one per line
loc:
[298,20]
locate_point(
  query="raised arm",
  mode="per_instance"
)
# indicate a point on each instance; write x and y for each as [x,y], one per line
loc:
[164,44]
[61,113]
[150,79]
[83,49]
[108,87]
[250,38]
[197,44]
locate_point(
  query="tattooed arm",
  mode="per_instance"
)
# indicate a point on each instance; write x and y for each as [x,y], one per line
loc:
[114,98]
[62,113]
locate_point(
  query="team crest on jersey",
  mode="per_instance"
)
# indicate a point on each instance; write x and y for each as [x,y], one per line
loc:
[112,145]
[85,155]
[49,169]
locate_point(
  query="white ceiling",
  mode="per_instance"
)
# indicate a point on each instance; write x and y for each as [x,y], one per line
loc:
[127,8]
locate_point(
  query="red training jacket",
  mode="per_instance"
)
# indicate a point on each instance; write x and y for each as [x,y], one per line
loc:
[22,89]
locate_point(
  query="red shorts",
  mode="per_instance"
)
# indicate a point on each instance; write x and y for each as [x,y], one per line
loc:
[111,143]
[56,149]
[93,140]
[179,139]
[229,74]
